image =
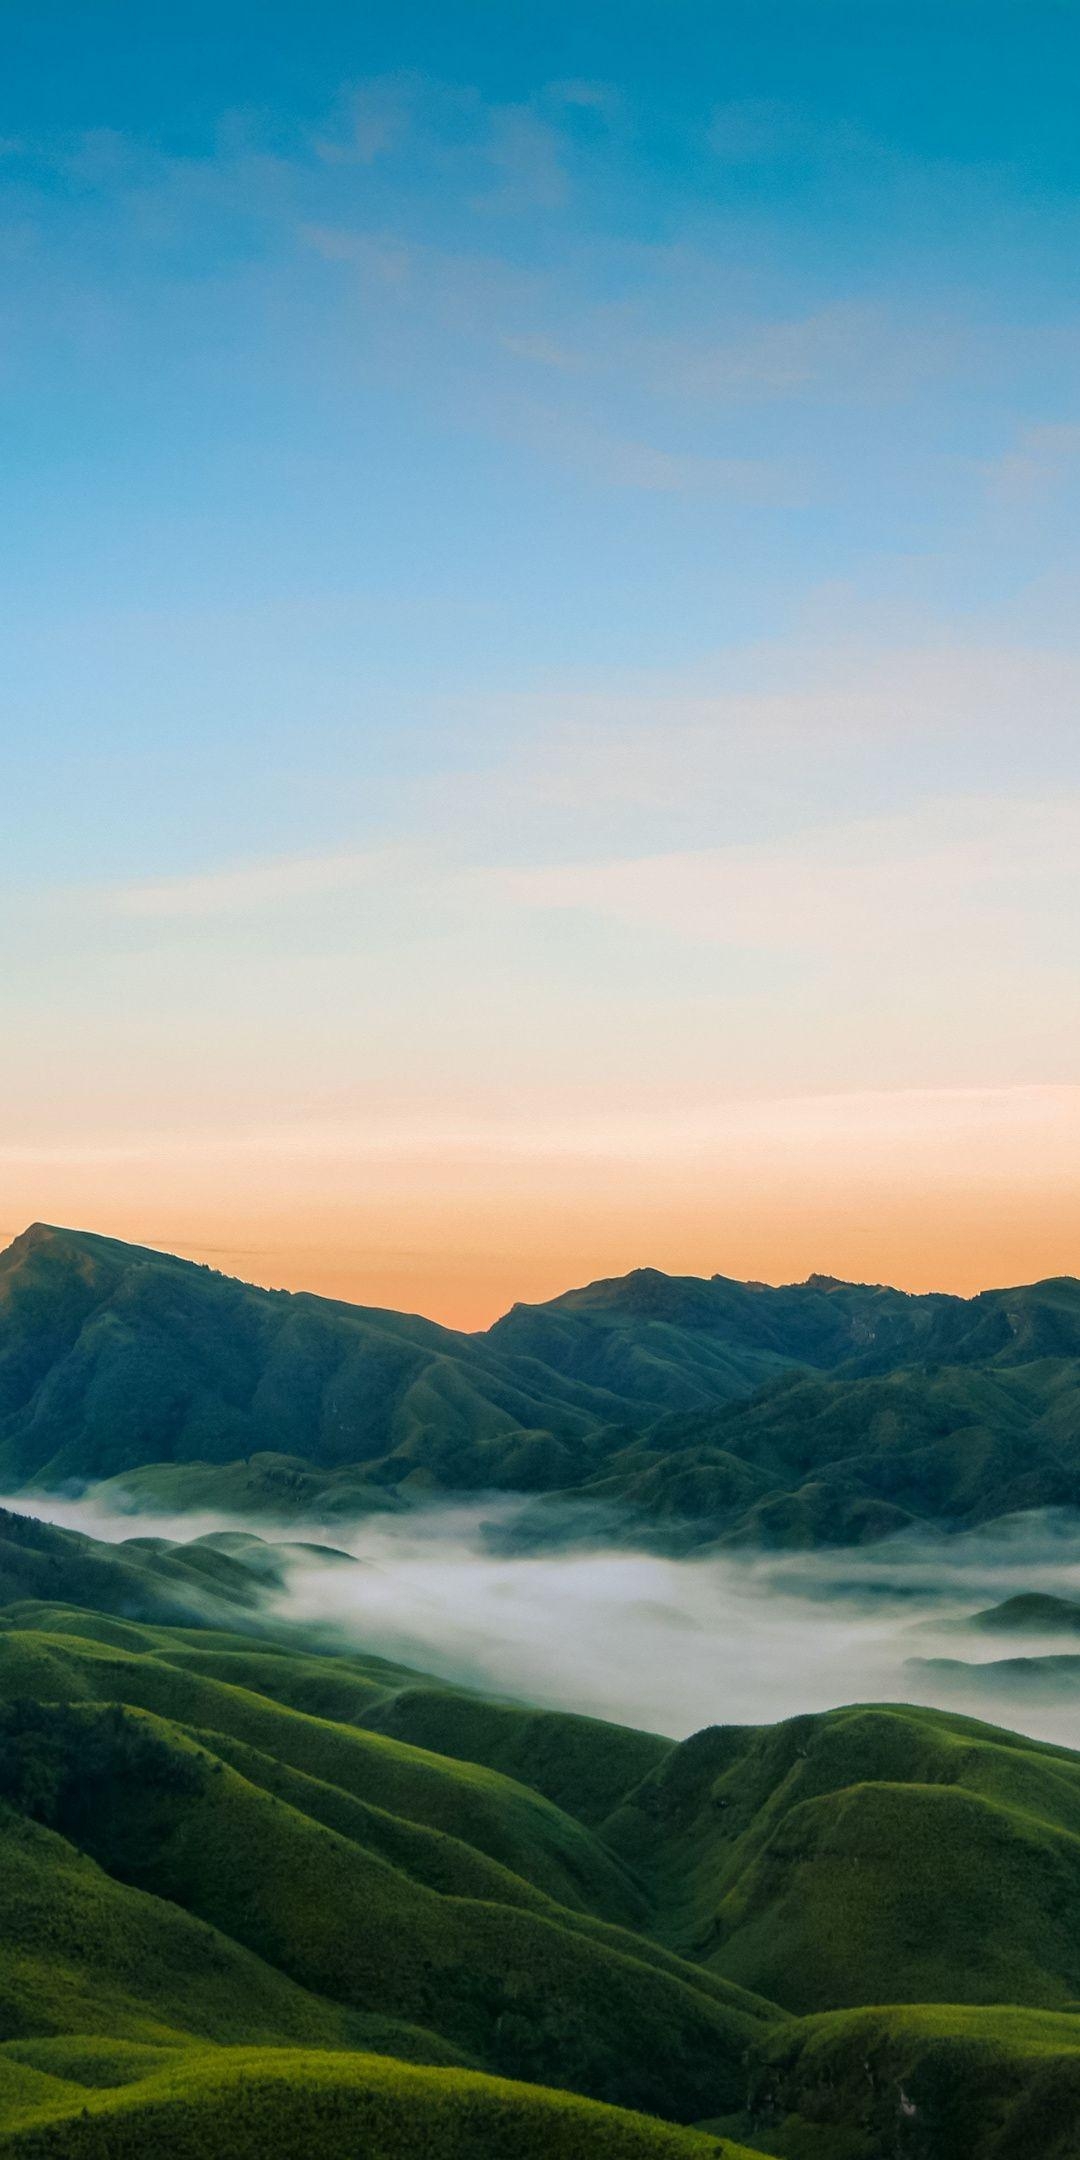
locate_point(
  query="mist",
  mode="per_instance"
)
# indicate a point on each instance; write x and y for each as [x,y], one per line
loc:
[663,1643]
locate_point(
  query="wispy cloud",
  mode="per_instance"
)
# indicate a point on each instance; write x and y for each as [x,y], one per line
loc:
[975,876]
[526,155]
[252,888]
[778,1126]
[1042,459]
[594,453]
[376,118]
[543,352]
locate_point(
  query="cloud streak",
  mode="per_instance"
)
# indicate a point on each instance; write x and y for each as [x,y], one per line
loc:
[992,871]
[254,888]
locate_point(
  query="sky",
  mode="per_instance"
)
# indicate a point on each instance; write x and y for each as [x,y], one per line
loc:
[540,623]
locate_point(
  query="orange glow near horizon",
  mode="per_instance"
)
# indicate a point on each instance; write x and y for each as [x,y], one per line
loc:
[949,1190]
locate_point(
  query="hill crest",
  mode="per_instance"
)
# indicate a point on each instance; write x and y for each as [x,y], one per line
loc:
[683,1409]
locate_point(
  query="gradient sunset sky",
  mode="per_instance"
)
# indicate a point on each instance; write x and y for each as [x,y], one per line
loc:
[541,639]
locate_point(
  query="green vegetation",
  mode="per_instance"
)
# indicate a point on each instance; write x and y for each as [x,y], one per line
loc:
[867,1855]
[259,1894]
[845,1460]
[382,1881]
[1031,1612]
[256,1897]
[581,1764]
[192,2104]
[921,2084]
[112,1357]
[145,1578]
[1054,1679]
[674,1412]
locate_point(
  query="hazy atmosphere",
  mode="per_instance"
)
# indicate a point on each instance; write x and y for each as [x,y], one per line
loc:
[669,1645]
[540,642]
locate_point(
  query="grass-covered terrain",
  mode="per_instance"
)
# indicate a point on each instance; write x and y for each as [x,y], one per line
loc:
[919,2083]
[221,1576]
[365,1879]
[186,2103]
[255,1897]
[260,1894]
[1030,1612]
[672,1411]
[867,1855]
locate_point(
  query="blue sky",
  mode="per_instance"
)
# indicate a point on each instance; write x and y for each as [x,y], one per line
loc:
[541,568]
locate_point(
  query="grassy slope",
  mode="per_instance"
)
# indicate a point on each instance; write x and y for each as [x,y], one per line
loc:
[274,1871]
[846,1858]
[248,2104]
[842,1459]
[920,2083]
[375,1876]
[82,1953]
[505,1820]
[152,1582]
[582,1764]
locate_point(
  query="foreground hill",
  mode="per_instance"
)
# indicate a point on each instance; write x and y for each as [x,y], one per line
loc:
[254,1897]
[241,2104]
[920,2084]
[673,1411]
[381,1894]
[879,1853]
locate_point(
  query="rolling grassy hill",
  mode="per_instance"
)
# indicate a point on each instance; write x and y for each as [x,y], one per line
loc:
[1029,1612]
[224,1575]
[670,1411]
[866,1855]
[920,2084]
[239,2104]
[250,1892]
[383,1882]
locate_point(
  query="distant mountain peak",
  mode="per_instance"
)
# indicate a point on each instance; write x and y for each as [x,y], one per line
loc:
[35,1233]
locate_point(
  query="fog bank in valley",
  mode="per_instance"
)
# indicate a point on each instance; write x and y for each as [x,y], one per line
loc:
[670,1644]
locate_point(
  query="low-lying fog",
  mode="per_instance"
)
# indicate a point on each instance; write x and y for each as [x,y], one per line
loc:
[672,1644]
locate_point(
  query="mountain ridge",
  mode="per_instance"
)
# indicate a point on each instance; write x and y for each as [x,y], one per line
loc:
[681,1410]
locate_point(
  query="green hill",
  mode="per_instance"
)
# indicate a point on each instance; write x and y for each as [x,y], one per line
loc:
[165,1384]
[1054,1678]
[222,1577]
[1030,1612]
[380,1879]
[190,2105]
[255,1896]
[840,1460]
[866,1855]
[920,2084]
[112,1356]
[671,1411]
[678,1342]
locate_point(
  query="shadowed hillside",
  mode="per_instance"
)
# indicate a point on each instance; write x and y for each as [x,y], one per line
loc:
[671,1411]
